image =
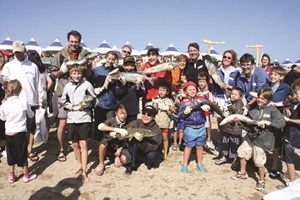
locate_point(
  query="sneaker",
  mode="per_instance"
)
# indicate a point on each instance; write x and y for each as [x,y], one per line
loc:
[260,185]
[273,174]
[29,177]
[4,154]
[128,171]
[11,177]
[239,175]
[99,170]
[174,147]
[118,162]
[184,169]
[201,168]
[210,145]
[285,175]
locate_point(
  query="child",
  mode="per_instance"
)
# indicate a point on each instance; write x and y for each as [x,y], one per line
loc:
[232,132]
[204,92]
[291,133]
[261,136]
[164,118]
[114,125]
[194,131]
[281,91]
[178,128]
[79,121]
[14,112]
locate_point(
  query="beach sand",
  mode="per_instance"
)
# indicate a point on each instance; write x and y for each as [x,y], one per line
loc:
[55,181]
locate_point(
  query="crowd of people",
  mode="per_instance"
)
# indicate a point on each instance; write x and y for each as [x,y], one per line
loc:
[169,111]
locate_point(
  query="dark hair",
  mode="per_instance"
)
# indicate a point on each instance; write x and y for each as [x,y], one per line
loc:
[266,55]
[247,58]
[240,91]
[36,59]
[164,85]
[267,93]
[195,45]
[203,76]
[121,106]
[179,85]
[293,66]
[153,51]
[75,34]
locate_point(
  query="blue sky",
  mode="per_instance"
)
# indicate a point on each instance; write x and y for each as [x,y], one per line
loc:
[272,23]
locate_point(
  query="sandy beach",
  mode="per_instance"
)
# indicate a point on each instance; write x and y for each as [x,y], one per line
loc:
[55,181]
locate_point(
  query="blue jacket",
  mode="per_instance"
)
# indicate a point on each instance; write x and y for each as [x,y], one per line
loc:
[258,80]
[195,117]
[234,74]
[106,99]
[281,92]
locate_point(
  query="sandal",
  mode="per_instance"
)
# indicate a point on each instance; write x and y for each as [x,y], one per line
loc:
[61,156]
[33,156]
[221,161]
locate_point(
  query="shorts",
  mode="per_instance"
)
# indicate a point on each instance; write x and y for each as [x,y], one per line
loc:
[179,126]
[164,130]
[220,101]
[247,150]
[62,113]
[278,140]
[31,124]
[207,123]
[194,136]
[127,155]
[288,154]
[16,149]
[77,132]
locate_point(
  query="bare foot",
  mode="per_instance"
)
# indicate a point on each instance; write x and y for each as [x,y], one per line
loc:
[84,178]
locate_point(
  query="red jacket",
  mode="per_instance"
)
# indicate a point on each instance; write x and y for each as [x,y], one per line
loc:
[151,92]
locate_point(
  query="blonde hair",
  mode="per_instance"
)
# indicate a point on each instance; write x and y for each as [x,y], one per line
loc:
[13,88]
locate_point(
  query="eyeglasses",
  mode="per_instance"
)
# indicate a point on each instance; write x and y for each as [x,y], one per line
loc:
[229,58]
[127,52]
[145,113]
[246,65]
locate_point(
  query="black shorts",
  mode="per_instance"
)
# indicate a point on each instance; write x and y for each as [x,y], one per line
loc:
[31,125]
[78,132]
[288,154]
[278,140]
[2,130]
[16,149]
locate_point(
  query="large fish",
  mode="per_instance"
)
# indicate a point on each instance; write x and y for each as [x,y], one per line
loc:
[217,76]
[84,103]
[132,132]
[242,118]
[123,77]
[84,60]
[3,79]
[213,107]
[168,66]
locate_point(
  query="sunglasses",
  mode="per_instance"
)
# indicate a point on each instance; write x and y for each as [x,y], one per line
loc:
[145,113]
[229,58]
[127,52]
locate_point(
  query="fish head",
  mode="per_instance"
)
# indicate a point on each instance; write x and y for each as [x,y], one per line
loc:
[209,64]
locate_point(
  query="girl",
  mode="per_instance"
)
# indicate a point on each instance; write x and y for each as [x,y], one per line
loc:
[14,112]
[164,118]
[114,125]
[79,121]
[151,92]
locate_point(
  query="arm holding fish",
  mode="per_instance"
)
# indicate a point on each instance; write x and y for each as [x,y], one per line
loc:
[64,100]
[113,131]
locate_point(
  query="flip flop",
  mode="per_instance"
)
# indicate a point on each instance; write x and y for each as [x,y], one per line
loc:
[61,158]
[33,156]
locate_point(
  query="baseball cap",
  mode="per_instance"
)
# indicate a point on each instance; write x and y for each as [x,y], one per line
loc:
[150,110]
[18,46]
[129,59]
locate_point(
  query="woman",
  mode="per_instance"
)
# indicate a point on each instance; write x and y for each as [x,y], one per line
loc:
[151,91]
[265,63]
[178,72]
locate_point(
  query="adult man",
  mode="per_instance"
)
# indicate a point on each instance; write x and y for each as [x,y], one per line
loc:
[196,64]
[59,70]
[252,78]
[29,76]
[292,75]
[126,51]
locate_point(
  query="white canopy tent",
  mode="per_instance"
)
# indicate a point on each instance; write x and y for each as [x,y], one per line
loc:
[55,47]
[171,51]
[103,48]
[32,45]
[144,51]
[134,51]
[6,44]
[83,45]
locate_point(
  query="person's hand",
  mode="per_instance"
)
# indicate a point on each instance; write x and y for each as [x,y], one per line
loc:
[187,110]
[109,79]
[286,119]
[211,71]
[263,123]
[97,90]
[118,152]
[113,134]
[138,136]
[205,108]
[225,86]
[68,106]
[246,110]
[122,131]
[64,68]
